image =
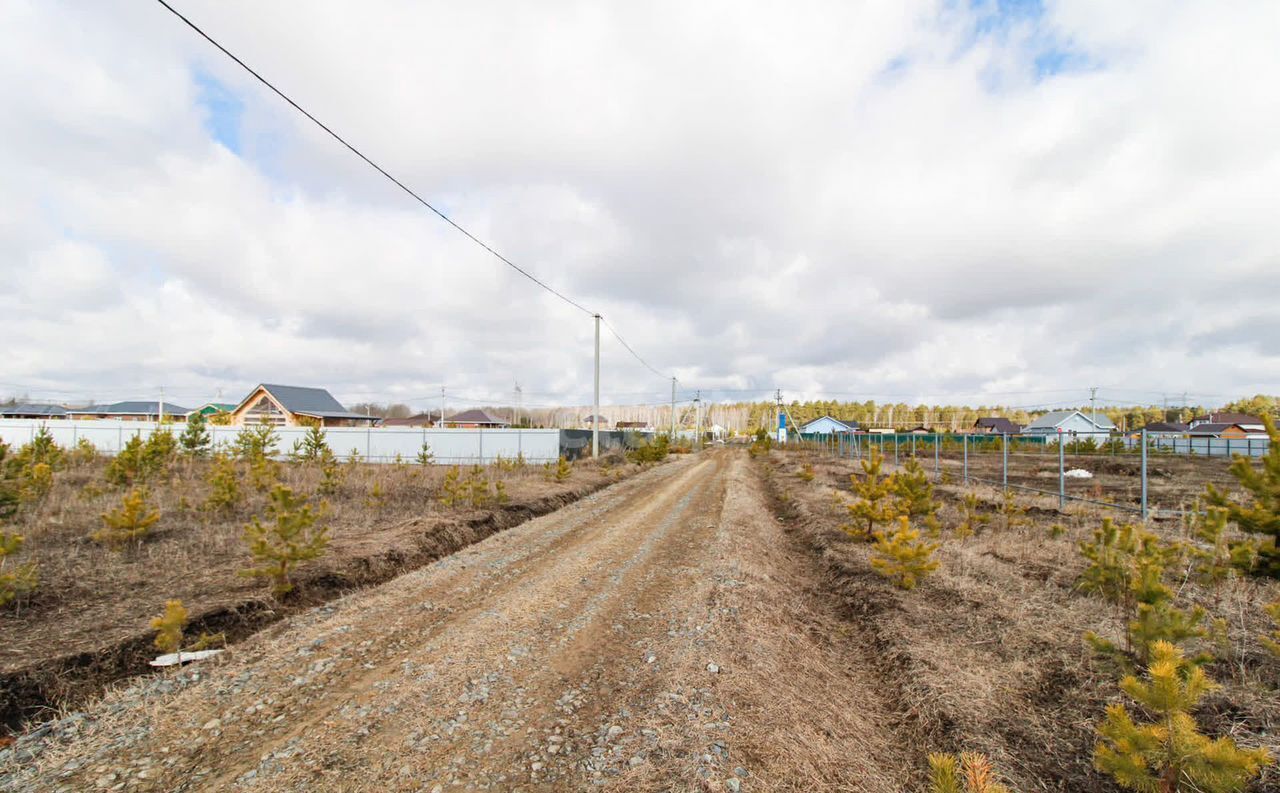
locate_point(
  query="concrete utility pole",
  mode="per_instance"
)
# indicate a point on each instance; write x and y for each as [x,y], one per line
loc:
[595,419]
[515,408]
[1093,407]
[777,419]
[673,410]
[697,417]
[441,407]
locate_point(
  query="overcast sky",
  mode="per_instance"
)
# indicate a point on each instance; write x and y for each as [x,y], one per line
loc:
[948,201]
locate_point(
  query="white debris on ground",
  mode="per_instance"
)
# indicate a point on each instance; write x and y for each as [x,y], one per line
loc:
[1077,473]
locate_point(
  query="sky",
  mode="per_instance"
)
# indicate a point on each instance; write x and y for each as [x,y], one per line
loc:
[948,202]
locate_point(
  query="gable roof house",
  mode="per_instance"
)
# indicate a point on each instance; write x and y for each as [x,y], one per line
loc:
[212,408]
[1070,422]
[828,426]
[1222,430]
[131,410]
[290,406]
[475,418]
[996,425]
[1166,428]
[1247,422]
[428,419]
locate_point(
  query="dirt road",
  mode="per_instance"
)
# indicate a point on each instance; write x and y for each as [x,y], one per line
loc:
[656,635]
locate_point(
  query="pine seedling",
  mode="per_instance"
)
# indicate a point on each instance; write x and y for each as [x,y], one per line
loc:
[354,457]
[376,496]
[973,518]
[264,474]
[425,457]
[158,452]
[451,490]
[195,439]
[901,556]
[128,466]
[914,496]
[806,473]
[1012,514]
[972,773]
[256,442]
[312,446]
[36,482]
[563,470]
[224,485]
[1216,558]
[168,627]
[1272,643]
[15,580]
[1169,754]
[132,521]
[875,503]
[288,538]
[1262,514]
[84,453]
[332,475]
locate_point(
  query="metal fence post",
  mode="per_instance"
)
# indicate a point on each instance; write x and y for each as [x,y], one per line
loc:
[937,456]
[1062,475]
[1004,449]
[966,458]
[1144,474]
[913,447]
[895,448]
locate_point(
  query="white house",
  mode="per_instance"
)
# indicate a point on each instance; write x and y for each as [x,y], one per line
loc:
[1071,423]
[828,426]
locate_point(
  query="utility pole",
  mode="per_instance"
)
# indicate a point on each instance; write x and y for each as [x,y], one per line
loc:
[697,413]
[777,419]
[673,410]
[1093,407]
[595,419]
[441,407]
[515,408]
[161,415]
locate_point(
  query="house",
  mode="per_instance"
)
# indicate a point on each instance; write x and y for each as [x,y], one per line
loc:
[420,420]
[1070,422]
[475,418]
[1246,422]
[828,426]
[291,406]
[594,419]
[634,426]
[212,408]
[1222,430]
[131,410]
[996,425]
[920,430]
[33,412]
[1166,429]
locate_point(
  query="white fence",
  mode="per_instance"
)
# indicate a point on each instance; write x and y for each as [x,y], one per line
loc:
[374,444]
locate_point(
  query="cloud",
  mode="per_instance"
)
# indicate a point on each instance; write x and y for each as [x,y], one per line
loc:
[937,199]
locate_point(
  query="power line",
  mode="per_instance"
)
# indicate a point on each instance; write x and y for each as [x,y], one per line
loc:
[634,354]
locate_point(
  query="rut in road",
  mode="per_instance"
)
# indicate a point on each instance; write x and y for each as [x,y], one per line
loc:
[657,635]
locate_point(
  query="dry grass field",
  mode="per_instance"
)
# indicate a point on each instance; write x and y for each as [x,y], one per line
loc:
[87,623]
[987,654]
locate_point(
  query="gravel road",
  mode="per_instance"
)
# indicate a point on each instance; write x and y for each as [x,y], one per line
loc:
[624,641]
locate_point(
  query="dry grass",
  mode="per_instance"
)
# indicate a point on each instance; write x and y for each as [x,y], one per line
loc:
[87,622]
[987,654]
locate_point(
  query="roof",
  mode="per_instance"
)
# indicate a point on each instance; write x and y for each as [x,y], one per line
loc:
[999,424]
[631,424]
[220,407]
[299,399]
[595,417]
[420,420]
[1228,418]
[1052,419]
[134,408]
[476,416]
[853,425]
[1165,426]
[1213,429]
[33,410]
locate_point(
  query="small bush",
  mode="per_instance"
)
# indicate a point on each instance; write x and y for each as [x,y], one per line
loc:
[288,538]
[654,452]
[563,470]
[332,475]
[264,474]
[224,485]
[168,627]
[914,495]
[902,557]
[159,452]
[84,453]
[312,447]
[972,773]
[131,522]
[1262,514]
[36,482]
[1169,754]
[425,457]
[127,466]
[472,489]
[18,579]
[973,519]
[256,442]
[195,439]
[875,504]
[806,473]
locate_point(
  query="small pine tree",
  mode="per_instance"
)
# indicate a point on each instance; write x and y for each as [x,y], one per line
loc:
[168,627]
[1262,514]
[256,442]
[224,485]
[1217,558]
[425,457]
[563,470]
[132,521]
[972,773]
[289,538]
[353,457]
[159,452]
[1012,513]
[195,439]
[875,504]
[806,473]
[902,556]
[914,495]
[451,488]
[128,466]
[84,453]
[16,580]
[264,474]
[35,483]
[332,475]
[312,447]
[1170,754]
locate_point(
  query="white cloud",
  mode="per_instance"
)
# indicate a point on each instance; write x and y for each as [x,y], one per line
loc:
[886,198]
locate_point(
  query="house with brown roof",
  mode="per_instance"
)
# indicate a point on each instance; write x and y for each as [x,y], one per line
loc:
[1247,422]
[421,420]
[476,418]
[996,425]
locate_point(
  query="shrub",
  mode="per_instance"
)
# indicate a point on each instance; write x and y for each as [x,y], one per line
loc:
[195,439]
[973,519]
[472,489]
[132,521]
[806,473]
[874,505]
[224,485]
[41,449]
[84,453]
[354,457]
[127,466]
[654,452]
[264,474]
[1169,753]
[19,579]
[902,556]
[563,470]
[425,457]
[1012,514]
[973,773]
[36,482]
[289,538]
[256,442]
[159,452]
[1217,558]
[1262,514]
[332,475]
[168,627]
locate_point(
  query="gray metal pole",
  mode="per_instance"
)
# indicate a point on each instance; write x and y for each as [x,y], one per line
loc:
[1062,475]
[966,458]
[1144,474]
[697,418]
[937,455]
[1004,444]
[895,448]
[673,410]
[595,418]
